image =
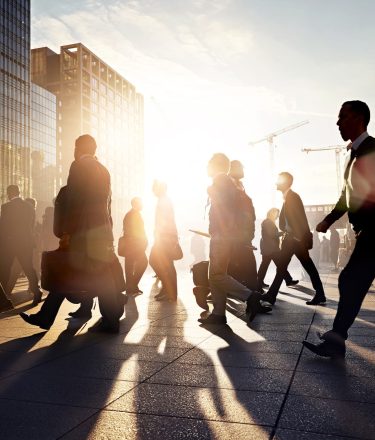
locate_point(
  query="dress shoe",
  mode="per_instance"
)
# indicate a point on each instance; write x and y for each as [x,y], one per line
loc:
[81,313]
[200,294]
[271,299]
[34,320]
[265,285]
[292,283]
[264,307]
[37,298]
[6,307]
[326,349]
[213,320]
[317,300]
[102,327]
[253,306]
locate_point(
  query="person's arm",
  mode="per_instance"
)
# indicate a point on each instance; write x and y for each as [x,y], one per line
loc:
[337,212]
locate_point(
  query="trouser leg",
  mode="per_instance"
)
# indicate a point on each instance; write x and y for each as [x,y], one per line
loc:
[282,261]
[220,282]
[6,261]
[48,312]
[25,257]
[140,268]
[354,282]
[303,255]
[129,273]
[266,260]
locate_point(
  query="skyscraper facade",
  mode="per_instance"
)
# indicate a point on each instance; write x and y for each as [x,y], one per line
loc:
[15,157]
[43,146]
[95,99]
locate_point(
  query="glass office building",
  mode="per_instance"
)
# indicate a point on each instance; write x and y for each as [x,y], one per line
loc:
[43,146]
[15,157]
[95,99]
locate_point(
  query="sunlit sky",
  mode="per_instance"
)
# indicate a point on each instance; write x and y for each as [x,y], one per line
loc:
[217,74]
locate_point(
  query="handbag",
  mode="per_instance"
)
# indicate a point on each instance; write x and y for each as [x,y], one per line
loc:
[121,246]
[64,271]
[200,274]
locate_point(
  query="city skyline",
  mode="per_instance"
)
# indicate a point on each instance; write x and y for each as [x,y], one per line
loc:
[218,74]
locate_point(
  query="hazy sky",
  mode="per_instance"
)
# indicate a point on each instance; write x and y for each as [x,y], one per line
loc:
[216,74]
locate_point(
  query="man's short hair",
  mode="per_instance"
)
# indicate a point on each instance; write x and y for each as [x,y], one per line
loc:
[221,162]
[86,144]
[135,201]
[13,190]
[287,177]
[360,108]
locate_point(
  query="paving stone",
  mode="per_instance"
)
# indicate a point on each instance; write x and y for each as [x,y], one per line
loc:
[255,379]
[36,421]
[264,346]
[111,425]
[45,388]
[117,369]
[202,403]
[351,367]
[329,416]
[339,387]
[239,359]
[286,434]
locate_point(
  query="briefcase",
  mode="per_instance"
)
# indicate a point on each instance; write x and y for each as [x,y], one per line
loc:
[200,274]
[64,271]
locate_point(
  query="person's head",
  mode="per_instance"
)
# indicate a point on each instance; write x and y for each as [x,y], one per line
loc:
[13,191]
[353,119]
[159,188]
[284,181]
[219,163]
[32,202]
[273,214]
[236,170]
[136,203]
[84,144]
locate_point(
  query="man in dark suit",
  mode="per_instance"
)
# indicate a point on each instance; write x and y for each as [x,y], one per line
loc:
[358,200]
[86,233]
[136,243]
[297,240]
[17,221]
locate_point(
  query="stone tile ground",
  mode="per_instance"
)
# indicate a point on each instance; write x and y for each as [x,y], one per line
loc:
[165,377]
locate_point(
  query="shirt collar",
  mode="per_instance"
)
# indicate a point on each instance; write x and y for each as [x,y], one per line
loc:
[84,156]
[285,193]
[15,197]
[357,142]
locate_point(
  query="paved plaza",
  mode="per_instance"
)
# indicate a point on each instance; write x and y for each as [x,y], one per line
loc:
[165,377]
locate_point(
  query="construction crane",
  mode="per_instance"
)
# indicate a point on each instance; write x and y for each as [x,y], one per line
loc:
[270,139]
[338,149]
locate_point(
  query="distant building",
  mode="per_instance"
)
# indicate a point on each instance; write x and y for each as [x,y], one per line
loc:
[316,213]
[15,96]
[95,99]
[43,147]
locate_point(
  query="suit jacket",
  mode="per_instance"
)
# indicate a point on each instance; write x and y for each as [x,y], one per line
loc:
[270,241]
[223,198]
[358,195]
[293,219]
[87,206]
[17,221]
[134,231]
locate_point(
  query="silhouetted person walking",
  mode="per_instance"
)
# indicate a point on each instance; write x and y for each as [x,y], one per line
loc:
[85,230]
[17,222]
[242,265]
[358,200]
[49,241]
[166,239]
[223,215]
[135,250]
[297,240]
[334,246]
[270,248]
